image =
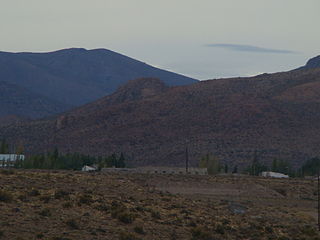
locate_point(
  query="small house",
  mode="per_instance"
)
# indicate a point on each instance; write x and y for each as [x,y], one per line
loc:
[88,169]
[9,160]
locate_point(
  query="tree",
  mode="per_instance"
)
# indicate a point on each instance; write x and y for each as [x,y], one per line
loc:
[211,163]
[226,168]
[235,169]
[310,167]
[4,147]
[121,161]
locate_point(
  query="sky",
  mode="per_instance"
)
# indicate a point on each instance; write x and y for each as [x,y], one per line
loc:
[204,39]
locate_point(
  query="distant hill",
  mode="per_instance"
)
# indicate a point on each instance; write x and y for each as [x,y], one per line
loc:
[16,100]
[78,76]
[273,115]
[313,62]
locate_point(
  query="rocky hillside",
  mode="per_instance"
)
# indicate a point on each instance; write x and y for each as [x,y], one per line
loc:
[275,115]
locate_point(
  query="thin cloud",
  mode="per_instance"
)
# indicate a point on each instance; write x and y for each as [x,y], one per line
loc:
[249,48]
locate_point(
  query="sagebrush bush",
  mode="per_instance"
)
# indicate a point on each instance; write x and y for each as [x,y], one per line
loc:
[5,196]
[127,236]
[46,212]
[72,223]
[59,194]
[139,229]
[201,234]
[34,193]
[85,199]
[155,215]
[126,217]
[7,171]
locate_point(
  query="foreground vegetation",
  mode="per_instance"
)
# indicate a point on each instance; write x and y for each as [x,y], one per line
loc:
[38,204]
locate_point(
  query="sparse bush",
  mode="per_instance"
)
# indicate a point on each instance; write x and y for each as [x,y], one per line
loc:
[61,238]
[1,233]
[127,236]
[45,198]
[7,171]
[5,196]
[200,234]
[220,229]
[67,205]
[85,199]
[102,208]
[140,209]
[139,229]
[59,194]
[282,191]
[23,197]
[46,212]
[34,193]
[39,236]
[309,231]
[155,214]
[126,217]
[72,223]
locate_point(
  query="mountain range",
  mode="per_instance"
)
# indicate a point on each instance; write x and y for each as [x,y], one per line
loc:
[68,78]
[269,115]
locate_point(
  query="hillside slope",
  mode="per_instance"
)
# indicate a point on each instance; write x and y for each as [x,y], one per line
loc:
[77,76]
[276,115]
[15,100]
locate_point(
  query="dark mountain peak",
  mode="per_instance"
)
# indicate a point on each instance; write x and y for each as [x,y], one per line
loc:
[77,76]
[139,89]
[313,62]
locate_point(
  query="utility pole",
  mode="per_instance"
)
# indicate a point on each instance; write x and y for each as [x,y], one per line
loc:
[187,160]
[319,194]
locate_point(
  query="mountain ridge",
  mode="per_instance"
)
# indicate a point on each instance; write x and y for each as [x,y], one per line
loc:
[77,76]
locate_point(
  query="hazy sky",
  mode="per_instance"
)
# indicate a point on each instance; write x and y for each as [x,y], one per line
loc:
[200,38]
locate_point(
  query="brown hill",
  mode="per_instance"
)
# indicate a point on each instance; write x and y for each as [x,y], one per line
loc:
[276,115]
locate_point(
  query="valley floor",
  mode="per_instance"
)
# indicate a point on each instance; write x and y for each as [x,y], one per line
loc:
[62,205]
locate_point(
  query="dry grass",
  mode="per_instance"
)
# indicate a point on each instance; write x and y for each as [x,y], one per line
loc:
[71,205]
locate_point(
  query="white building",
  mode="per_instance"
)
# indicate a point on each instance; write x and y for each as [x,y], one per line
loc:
[8,160]
[88,169]
[274,175]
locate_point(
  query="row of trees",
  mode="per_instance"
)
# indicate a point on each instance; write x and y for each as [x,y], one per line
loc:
[69,161]
[4,147]
[309,168]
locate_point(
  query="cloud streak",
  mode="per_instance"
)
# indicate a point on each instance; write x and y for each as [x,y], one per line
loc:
[249,48]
